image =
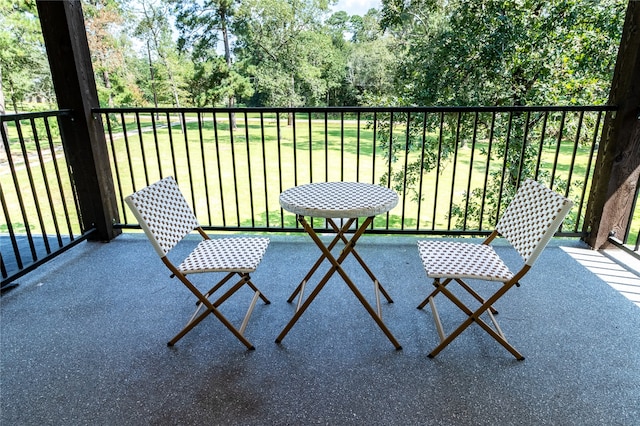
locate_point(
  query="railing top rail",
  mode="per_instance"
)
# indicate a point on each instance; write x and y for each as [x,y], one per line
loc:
[31,115]
[364,109]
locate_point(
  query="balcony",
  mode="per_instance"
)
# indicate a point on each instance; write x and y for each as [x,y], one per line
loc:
[98,315]
[84,341]
[84,323]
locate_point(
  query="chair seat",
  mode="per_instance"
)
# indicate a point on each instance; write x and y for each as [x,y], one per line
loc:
[447,259]
[225,255]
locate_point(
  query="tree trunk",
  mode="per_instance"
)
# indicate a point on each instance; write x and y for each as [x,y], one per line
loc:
[227,56]
[174,86]
[14,101]
[2,112]
[153,81]
[293,88]
[107,84]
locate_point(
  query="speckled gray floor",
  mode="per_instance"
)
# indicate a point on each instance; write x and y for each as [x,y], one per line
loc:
[83,341]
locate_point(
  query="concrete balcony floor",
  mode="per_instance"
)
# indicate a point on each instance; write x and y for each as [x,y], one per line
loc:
[83,341]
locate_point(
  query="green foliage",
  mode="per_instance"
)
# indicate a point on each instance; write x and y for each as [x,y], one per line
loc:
[23,65]
[216,77]
[506,52]
[294,59]
[503,53]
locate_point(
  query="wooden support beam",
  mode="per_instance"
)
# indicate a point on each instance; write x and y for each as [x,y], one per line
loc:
[83,137]
[618,166]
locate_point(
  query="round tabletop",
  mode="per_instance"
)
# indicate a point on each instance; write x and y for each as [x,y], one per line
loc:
[338,199]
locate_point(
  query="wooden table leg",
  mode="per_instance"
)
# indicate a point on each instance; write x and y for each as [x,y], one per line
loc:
[336,266]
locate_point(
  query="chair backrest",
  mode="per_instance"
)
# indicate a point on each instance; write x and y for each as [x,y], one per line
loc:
[163,214]
[531,219]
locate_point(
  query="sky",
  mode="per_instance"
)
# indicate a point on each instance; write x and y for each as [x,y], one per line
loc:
[356,7]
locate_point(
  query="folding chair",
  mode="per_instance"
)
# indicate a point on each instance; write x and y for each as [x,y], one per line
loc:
[166,218]
[528,223]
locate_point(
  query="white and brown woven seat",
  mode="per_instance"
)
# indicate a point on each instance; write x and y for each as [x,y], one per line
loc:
[529,222]
[166,218]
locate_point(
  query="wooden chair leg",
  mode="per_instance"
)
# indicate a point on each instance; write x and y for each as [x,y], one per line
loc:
[437,285]
[211,307]
[473,316]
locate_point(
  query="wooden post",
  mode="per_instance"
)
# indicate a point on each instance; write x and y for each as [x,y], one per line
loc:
[83,137]
[618,166]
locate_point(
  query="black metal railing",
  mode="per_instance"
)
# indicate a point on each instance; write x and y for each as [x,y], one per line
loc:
[39,203]
[455,168]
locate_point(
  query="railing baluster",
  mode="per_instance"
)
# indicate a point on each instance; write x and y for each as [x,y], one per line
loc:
[541,149]
[249,170]
[279,142]
[523,150]
[310,147]
[420,180]
[56,168]
[156,143]
[358,146]
[219,167]
[326,146]
[390,161]
[471,161]
[134,187]
[504,169]
[185,134]
[455,168]
[341,145]
[588,172]
[171,145]
[558,145]
[487,170]
[116,168]
[45,181]
[576,142]
[142,151]
[27,165]
[373,149]
[264,169]
[18,193]
[234,168]
[437,184]
[12,236]
[205,178]
[407,139]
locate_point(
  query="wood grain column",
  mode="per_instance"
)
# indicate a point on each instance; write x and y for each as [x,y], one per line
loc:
[83,137]
[618,166]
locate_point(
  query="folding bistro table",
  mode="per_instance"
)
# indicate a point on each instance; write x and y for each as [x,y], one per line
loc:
[333,201]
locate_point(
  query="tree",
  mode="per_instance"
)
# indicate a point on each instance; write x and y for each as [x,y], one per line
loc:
[370,69]
[282,45]
[202,25]
[154,28]
[505,53]
[367,58]
[103,19]
[512,53]
[23,64]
